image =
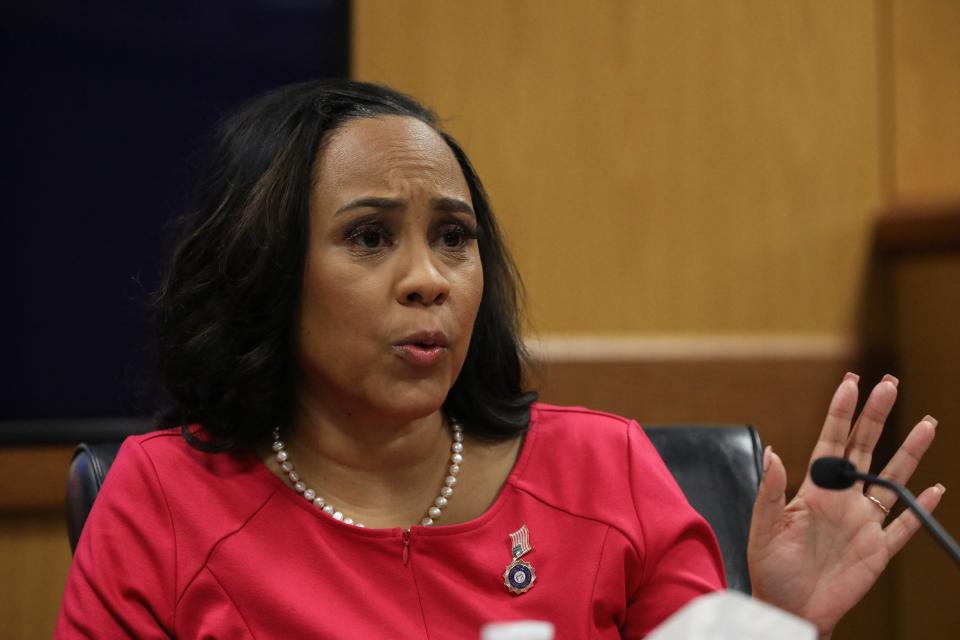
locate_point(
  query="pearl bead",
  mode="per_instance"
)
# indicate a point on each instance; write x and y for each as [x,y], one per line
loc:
[434,512]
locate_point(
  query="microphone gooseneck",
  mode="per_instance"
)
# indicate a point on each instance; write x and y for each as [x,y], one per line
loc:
[839,473]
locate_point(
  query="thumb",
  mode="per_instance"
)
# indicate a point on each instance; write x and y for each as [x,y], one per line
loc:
[771,499]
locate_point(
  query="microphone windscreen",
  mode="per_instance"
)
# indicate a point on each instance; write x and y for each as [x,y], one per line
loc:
[833,473]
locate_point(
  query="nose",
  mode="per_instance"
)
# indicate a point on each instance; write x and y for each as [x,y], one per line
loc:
[422,278]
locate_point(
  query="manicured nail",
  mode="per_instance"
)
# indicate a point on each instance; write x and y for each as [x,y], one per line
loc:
[767,457]
[931,420]
[942,489]
[852,376]
[890,378]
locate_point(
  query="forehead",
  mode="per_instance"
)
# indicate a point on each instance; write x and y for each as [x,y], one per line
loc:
[387,154]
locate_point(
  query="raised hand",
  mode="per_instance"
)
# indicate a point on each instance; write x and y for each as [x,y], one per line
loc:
[818,555]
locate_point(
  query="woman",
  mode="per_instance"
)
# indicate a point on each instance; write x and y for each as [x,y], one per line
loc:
[339,331]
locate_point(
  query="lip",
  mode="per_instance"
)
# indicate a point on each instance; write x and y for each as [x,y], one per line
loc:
[425,338]
[423,348]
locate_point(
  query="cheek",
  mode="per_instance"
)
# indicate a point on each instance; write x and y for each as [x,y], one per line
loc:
[476,290]
[471,294]
[477,276]
[338,302]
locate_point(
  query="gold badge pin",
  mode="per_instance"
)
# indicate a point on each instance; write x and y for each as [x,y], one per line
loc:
[519,575]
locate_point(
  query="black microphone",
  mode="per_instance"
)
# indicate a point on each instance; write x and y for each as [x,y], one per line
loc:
[839,473]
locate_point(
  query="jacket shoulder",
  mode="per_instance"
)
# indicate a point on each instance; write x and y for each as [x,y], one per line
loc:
[566,430]
[581,460]
[208,495]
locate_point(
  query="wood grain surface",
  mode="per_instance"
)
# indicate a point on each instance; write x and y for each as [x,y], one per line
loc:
[659,166]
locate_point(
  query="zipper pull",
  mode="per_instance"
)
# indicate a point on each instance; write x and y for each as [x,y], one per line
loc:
[406,547]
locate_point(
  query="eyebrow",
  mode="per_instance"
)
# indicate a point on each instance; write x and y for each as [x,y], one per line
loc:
[446,204]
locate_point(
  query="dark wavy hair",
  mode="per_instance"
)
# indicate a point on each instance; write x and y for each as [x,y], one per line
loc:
[225,339]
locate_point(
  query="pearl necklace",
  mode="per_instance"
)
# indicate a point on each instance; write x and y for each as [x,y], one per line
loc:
[432,514]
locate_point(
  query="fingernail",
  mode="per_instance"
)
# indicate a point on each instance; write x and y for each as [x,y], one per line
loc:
[929,418]
[767,457]
[941,488]
[890,378]
[851,376]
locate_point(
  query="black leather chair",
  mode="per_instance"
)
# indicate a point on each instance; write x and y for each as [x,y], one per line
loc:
[718,468]
[90,465]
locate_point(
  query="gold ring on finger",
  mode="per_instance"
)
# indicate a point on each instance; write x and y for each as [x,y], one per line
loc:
[880,505]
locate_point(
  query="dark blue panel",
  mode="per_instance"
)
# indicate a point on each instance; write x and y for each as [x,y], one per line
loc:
[105,105]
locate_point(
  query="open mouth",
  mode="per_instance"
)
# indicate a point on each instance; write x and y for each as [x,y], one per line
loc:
[421,354]
[423,349]
[425,339]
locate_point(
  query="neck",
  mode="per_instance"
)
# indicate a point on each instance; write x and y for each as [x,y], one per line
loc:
[380,471]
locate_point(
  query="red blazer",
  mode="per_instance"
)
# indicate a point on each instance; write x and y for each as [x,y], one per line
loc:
[187,544]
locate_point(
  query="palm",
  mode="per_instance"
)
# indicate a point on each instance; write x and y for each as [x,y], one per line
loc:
[830,558]
[818,555]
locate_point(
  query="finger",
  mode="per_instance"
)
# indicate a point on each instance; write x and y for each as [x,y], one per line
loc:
[771,499]
[866,431]
[836,428]
[904,462]
[906,524]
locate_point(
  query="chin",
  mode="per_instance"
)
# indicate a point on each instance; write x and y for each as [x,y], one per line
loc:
[406,405]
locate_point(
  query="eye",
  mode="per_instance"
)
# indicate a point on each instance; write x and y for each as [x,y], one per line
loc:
[369,237]
[455,236]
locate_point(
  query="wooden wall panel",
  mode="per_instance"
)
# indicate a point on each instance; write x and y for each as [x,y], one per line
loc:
[924,43]
[687,168]
[672,166]
[928,304]
[34,478]
[926,90]
[34,559]
[785,397]
[34,548]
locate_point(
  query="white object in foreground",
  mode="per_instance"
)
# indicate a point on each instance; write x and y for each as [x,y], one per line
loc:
[520,630]
[729,615]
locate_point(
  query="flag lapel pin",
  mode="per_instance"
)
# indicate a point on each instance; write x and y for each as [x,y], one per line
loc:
[519,575]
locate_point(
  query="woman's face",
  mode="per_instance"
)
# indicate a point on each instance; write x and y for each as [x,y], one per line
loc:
[393,278]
